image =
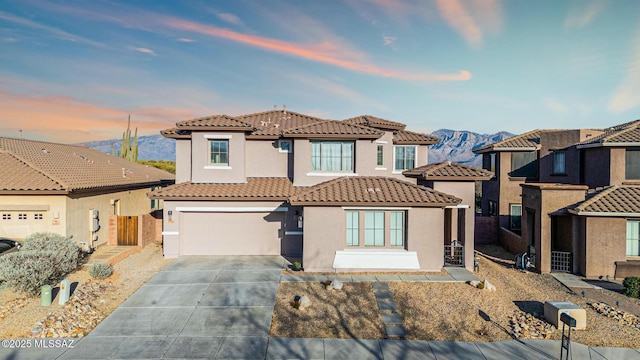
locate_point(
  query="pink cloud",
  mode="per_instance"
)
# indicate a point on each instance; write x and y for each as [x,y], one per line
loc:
[230,18]
[324,52]
[388,40]
[457,16]
[66,119]
[145,50]
[583,13]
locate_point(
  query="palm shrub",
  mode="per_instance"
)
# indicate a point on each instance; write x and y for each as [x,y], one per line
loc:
[45,258]
[632,286]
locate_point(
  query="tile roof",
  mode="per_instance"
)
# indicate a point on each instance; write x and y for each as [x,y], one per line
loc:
[615,200]
[215,122]
[42,166]
[175,133]
[371,191]
[404,137]
[272,123]
[624,134]
[267,188]
[331,128]
[527,141]
[448,170]
[375,122]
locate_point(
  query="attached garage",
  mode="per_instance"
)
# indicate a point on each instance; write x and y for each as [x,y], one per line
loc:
[231,233]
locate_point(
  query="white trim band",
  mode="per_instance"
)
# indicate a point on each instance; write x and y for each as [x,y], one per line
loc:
[217,136]
[382,169]
[330,174]
[170,233]
[376,259]
[231,209]
[374,208]
[457,207]
[213,167]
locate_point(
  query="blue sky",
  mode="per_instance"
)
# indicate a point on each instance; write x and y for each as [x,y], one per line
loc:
[72,71]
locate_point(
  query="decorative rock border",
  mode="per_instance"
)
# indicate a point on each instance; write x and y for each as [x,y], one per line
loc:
[620,315]
[527,326]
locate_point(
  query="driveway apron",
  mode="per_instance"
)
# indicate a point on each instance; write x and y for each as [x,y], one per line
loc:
[197,307]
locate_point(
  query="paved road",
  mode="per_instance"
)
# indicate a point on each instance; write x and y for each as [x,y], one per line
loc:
[221,307]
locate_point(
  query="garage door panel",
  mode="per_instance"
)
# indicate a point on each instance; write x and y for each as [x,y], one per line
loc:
[231,233]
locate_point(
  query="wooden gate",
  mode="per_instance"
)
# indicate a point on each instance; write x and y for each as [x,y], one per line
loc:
[127,230]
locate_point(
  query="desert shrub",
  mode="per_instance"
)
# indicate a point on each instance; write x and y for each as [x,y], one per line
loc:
[44,259]
[632,286]
[64,250]
[100,271]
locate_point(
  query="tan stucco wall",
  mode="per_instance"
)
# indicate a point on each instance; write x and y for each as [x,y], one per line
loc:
[617,166]
[605,244]
[365,161]
[464,190]
[48,206]
[201,158]
[132,203]
[183,160]
[264,159]
[324,234]
[544,201]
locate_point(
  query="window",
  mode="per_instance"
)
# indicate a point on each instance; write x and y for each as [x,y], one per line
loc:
[374,228]
[284,146]
[493,208]
[523,164]
[37,216]
[332,155]
[405,158]
[515,215]
[378,226]
[380,161]
[558,162]
[396,228]
[22,216]
[219,152]
[490,162]
[6,216]
[353,228]
[633,238]
[632,165]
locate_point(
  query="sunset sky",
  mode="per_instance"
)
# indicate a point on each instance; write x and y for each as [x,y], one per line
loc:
[72,71]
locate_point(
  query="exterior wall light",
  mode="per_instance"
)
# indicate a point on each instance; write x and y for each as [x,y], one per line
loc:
[299,219]
[170,213]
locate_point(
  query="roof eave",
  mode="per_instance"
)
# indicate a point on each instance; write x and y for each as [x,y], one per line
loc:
[371,204]
[414,142]
[215,128]
[332,136]
[215,198]
[34,192]
[603,214]
[608,144]
[262,137]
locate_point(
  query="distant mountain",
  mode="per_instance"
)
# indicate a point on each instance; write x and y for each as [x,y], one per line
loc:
[454,146]
[458,146]
[152,147]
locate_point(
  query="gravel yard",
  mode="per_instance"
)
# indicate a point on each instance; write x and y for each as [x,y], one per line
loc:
[447,311]
[19,314]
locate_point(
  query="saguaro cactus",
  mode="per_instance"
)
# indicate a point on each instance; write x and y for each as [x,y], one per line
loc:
[129,149]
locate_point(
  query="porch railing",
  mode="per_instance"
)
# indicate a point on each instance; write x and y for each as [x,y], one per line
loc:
[454,255]
[561,261]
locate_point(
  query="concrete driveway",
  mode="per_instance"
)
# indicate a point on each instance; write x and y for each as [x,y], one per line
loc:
[197,307]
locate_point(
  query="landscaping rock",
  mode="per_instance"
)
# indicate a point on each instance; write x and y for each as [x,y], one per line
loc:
[78,316]
[488,286]
[620,315]
[526,326]
[305,302]
[337,284]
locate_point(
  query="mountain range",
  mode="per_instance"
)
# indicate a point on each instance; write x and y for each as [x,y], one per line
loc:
[454,145]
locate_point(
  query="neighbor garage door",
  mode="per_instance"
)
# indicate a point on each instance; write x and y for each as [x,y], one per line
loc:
[231,233]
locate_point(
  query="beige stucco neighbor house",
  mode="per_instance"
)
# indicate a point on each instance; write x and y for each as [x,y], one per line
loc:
[334,193]
[69,190]
[576,208]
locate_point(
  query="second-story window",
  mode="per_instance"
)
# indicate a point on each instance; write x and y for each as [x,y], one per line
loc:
[380,160]
[558,162]
[405,158]
[219,152]
[632,165]
[523,164]
[332,156]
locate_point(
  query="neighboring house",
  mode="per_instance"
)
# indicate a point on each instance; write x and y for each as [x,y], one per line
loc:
[577,208]
[70,190]
[335,193]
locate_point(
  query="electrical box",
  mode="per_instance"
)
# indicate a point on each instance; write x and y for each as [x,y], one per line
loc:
[94,220]
[65,290]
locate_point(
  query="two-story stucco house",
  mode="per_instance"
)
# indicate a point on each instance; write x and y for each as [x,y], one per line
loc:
[342,195]
[578,208]
[70,190]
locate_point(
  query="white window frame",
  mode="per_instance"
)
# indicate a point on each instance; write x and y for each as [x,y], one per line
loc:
[415,158]
[633,239]
[218,164]
[557,169]
[343,169]
[368,235]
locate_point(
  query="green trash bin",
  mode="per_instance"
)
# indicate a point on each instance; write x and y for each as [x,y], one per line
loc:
[45,295]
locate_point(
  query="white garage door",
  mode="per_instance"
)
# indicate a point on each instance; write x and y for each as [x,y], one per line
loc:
[231,233]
